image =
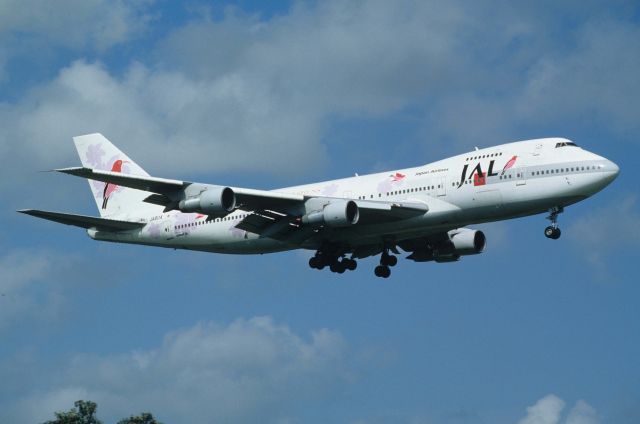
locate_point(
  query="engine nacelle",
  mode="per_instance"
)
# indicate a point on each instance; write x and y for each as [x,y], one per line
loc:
[335,214]
[461,242]
[216,201]
[467,242]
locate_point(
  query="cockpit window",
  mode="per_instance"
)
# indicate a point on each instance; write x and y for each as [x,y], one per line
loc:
[566,143]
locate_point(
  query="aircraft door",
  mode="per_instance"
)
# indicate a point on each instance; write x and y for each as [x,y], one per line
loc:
[441,184]
[167,229]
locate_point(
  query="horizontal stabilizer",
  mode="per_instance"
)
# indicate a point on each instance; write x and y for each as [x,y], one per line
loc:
[84,221]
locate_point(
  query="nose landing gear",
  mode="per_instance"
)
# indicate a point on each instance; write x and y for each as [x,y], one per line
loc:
[553,231]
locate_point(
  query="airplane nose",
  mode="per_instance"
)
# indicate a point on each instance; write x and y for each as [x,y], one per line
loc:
[612,168]
[610,172]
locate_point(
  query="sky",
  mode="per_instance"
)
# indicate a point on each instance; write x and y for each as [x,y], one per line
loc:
[269,94]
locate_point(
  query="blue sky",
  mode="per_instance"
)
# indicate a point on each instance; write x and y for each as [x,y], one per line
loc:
[263,95]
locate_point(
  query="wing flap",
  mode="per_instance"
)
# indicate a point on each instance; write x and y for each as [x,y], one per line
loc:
[374,212]
[255,223]
[83,221]
[264,199]
[270,224]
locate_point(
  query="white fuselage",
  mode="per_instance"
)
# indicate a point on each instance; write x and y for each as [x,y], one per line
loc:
[496,183]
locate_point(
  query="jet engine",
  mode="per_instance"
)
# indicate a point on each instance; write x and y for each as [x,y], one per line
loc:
[216,201]
[334,214]
[467,242]
[459,242]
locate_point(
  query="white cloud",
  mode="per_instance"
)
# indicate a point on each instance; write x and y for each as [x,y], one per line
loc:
[72,23]
[31,286]
[259,103]
[248,371]
[219,125]
[582,413]
[548,410]
[545,411]
[586,81]
[595,80]
[245,94]
[602,230]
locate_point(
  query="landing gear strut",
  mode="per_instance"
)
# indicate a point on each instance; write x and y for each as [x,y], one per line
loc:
[553,231]
[386,261]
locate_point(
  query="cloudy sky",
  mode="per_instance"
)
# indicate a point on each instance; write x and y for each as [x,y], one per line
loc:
[265,94]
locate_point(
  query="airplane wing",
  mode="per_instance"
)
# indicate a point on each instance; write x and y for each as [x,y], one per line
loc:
[249,199]
[271,207]
[83,221]
[139,182]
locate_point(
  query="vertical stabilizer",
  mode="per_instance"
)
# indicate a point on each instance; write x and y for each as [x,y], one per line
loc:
[96,152]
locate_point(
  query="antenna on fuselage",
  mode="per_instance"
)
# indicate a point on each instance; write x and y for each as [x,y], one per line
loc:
[476,147]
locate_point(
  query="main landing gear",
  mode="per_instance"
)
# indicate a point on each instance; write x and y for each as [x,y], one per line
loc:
[553,231]
[386,261]
[338,264]
[335,258]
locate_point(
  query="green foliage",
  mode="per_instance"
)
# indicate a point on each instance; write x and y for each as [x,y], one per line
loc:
[83,413]
[144,418]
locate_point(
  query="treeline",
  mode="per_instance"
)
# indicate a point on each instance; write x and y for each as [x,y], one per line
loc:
[84,412]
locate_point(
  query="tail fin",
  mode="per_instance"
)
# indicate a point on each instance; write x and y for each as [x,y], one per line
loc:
[97,152]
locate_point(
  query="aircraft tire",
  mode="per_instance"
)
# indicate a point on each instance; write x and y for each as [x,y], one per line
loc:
[382,271]
[350,264]
[337,267]
[548,232]
[552,232]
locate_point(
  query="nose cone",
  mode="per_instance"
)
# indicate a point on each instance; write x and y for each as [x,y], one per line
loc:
[610,172]
[613,168]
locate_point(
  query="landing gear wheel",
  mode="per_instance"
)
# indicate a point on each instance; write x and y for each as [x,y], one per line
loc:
[337,266]
[552,232]
[382,271]
[350,264]
[317,262]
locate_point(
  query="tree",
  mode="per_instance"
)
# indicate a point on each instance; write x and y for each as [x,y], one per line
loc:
[83,413]
[144,418]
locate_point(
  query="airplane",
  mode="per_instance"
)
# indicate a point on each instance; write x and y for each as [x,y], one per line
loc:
[424,211]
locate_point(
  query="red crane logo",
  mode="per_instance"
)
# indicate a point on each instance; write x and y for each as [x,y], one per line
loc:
[109,188]
[397,177]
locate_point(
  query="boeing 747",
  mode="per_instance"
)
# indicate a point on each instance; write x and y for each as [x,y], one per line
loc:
[423,211]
